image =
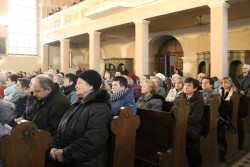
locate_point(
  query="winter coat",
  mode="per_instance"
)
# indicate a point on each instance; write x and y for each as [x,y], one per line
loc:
[243,83]
[46,114]
[19,98]
[126,100]
[84,131]
[152,102]
[195,115]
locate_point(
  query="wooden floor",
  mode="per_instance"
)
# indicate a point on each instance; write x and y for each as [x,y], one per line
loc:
[243,157]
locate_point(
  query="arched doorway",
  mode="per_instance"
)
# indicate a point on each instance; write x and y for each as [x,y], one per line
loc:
[235,69]
[202,68]
[169,56]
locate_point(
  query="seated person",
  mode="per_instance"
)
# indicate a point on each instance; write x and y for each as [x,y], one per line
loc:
[227,89]
[226,92]
[83,132]
[133,85]
[177,90]
[10,85]
[68,89]
[149,100]
[194,98]
[121,95]
[20,96]
[160,90]
[7,114]
[207,89]
[108,77]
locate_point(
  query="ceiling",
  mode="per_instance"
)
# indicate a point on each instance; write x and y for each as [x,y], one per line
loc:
[185,19]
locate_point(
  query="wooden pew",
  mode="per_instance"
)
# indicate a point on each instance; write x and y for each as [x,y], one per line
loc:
[161,139]
[208,145]
[242,115]
[124,130]
[25,147]
[166,106]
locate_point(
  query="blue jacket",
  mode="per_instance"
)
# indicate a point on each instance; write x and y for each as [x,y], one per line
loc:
[126,100]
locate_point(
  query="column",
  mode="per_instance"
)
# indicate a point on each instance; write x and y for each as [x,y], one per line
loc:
[64,55]
[141,47]
[42,50]
[219,39]
[45,57]
[94,50]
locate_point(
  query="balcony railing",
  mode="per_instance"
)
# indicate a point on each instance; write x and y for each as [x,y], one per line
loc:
[85,10]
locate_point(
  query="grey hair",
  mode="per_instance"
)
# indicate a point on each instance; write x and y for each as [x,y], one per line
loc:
[7,111]
[247,66]
[45,81]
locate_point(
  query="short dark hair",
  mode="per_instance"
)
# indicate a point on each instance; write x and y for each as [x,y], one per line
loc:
[72,77]
[195,82]
[211,81]
[122,80]
[24,82]
[13,77]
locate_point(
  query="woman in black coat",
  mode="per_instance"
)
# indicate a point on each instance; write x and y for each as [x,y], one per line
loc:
[82,136]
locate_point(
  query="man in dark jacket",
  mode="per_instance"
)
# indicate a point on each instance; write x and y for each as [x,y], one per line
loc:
[51,104]
[243,81]
[243,86]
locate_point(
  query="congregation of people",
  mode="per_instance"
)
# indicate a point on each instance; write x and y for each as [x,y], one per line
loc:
[76,108]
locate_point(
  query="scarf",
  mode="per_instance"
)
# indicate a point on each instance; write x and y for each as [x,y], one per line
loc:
[118,95]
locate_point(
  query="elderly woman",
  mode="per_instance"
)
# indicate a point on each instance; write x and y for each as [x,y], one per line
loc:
[159,88]
[121,95]
[82,135]
[149,100]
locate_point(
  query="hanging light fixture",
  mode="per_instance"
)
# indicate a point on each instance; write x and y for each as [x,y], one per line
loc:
[202,20]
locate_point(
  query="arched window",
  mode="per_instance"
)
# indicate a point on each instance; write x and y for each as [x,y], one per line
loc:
[22,27]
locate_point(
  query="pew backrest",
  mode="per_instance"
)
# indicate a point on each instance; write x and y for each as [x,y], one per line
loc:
[124,129]
[163,135]
[26,146]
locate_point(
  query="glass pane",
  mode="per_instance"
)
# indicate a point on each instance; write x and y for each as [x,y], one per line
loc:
[22,23]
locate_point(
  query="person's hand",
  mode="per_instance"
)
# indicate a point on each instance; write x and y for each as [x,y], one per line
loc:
[17,120]
[52,153]
[59,155]
[242,92]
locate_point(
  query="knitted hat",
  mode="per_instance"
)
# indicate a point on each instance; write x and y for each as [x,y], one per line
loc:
[92,77]
[132,76]
[160,75]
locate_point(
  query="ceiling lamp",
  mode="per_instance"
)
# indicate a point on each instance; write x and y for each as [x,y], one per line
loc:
[202,20]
